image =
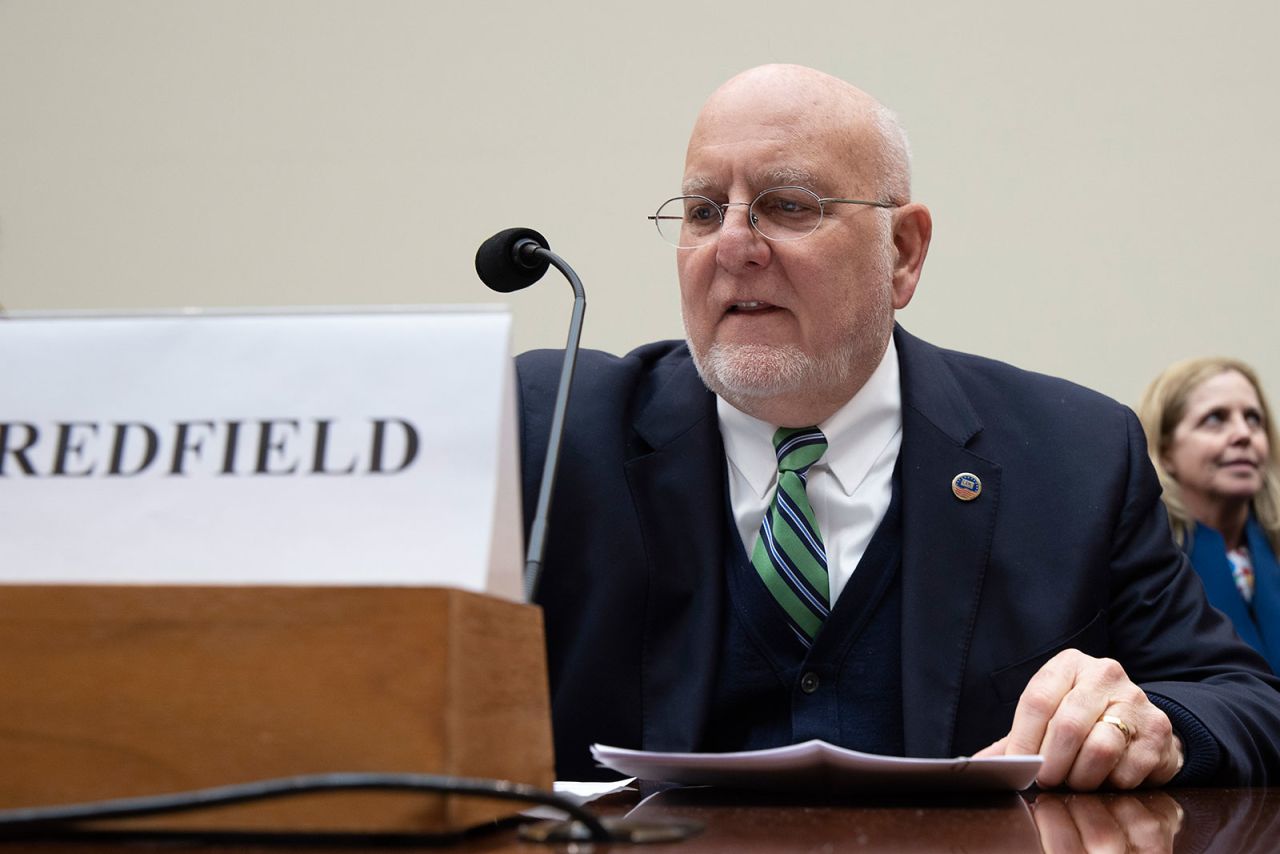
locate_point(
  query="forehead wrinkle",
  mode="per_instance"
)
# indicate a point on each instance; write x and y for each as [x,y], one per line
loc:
[784,176]
[758,180]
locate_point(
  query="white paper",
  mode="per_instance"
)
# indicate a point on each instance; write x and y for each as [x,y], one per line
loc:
[817,765]
[585,793]
[579,793]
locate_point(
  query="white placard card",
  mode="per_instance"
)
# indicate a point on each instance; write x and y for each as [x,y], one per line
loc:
[362,447]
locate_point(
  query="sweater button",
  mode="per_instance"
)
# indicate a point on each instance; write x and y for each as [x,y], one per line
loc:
[809,682]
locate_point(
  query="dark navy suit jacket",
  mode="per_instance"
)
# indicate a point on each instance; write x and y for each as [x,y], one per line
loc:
[1066,547]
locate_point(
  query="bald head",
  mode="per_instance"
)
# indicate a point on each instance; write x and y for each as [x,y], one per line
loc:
[810,103]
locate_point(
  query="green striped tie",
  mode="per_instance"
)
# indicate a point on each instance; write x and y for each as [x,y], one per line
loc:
[789,555]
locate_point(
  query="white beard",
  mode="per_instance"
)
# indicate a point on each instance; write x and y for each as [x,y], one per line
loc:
[746,371]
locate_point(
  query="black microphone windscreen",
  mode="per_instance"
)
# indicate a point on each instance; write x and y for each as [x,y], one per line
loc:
[503,268]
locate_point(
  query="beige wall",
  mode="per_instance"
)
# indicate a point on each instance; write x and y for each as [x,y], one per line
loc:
[1104,175]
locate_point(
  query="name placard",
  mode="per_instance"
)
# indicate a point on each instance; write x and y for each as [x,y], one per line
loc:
[334,447]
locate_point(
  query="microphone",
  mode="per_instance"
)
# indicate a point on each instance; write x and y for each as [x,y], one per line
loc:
[508,261]
[511,260]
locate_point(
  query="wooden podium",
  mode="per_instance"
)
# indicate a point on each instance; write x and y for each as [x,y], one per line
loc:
[119,691]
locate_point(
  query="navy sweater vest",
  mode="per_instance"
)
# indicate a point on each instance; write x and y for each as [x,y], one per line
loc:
[846,689]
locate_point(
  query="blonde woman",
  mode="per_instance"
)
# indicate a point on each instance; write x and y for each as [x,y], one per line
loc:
[1210,434]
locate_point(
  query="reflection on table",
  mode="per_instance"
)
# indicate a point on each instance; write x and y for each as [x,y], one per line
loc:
[1172,820]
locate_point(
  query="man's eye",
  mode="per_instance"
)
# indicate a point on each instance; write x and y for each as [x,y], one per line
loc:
[701,213]
[780,205]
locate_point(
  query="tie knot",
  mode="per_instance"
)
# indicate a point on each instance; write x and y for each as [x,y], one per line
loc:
[798,448]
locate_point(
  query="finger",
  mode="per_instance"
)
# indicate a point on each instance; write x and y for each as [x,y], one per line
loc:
[1038,703]
[1103,749]
[1070,730]
[1154,753]
[996,748]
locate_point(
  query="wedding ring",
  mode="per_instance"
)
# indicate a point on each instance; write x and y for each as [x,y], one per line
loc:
[1124,728]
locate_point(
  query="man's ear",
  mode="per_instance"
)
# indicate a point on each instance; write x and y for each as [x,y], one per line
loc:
[912,231]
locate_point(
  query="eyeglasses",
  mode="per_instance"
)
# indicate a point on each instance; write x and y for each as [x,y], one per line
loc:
[779,214]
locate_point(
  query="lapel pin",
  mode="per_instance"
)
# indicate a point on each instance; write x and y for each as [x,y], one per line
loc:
[966,486]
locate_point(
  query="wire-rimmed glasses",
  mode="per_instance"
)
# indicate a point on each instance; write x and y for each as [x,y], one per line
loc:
[778,213]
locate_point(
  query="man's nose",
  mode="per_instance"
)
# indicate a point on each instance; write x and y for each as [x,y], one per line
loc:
[739,244]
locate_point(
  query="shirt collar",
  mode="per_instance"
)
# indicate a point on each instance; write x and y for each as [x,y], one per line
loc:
[857,433]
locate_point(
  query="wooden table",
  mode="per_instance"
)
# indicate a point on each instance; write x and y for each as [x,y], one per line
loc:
[1176,820]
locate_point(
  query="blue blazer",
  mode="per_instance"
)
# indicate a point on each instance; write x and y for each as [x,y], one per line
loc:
[1258,625]
[1067,546]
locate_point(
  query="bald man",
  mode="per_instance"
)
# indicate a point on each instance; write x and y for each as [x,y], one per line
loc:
[805,523]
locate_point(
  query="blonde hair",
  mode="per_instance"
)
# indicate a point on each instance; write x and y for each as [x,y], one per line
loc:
[1163,405]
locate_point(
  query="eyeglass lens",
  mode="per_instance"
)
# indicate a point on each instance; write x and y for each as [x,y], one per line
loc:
[787,213]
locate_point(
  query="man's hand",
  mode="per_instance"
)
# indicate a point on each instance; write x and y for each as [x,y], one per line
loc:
[1092,725]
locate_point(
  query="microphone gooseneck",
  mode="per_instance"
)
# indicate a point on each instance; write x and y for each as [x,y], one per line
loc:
[511,260]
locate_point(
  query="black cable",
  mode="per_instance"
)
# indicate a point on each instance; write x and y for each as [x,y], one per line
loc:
[24,819]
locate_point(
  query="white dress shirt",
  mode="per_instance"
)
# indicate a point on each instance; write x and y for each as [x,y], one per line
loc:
[849,488]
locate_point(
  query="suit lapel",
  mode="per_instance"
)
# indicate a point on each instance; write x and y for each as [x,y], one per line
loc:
[946,544]
[677,485]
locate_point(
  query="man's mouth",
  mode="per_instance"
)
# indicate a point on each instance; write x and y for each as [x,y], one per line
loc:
[750,305]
